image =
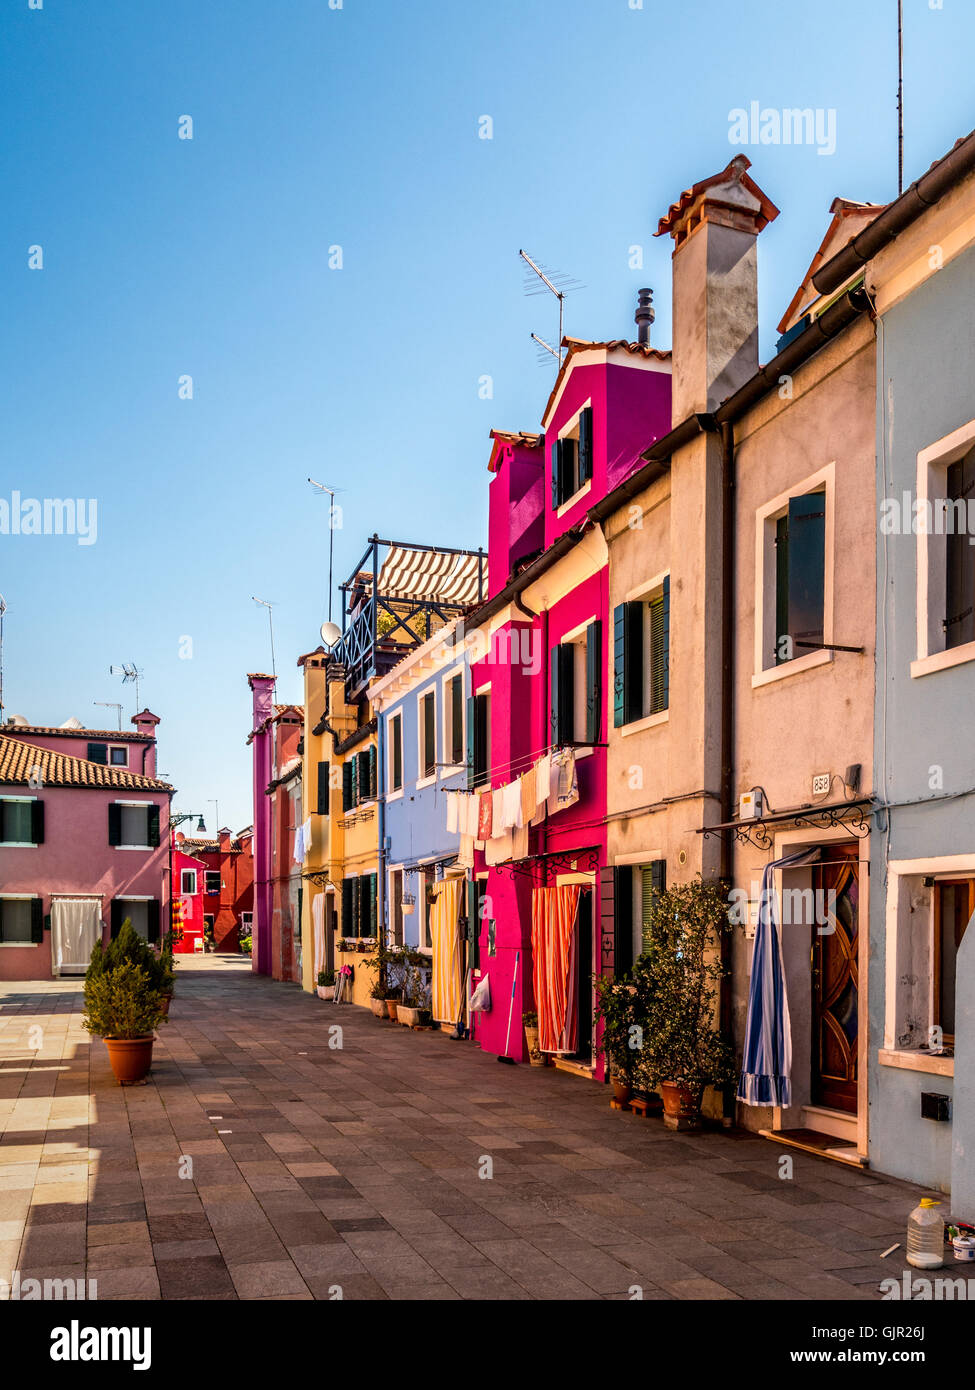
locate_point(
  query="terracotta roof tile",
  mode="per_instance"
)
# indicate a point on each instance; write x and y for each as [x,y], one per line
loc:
[98,735]
[19,760]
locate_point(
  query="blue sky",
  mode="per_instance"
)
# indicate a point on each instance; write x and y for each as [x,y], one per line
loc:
[358,127]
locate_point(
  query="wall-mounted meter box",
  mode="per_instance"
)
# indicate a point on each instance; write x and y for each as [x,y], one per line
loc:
[750,805]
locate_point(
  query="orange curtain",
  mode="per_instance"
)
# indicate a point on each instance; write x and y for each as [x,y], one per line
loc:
[554,912]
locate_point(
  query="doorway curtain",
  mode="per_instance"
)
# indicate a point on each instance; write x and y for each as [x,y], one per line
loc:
[446,943]
[76,924]
[555,913]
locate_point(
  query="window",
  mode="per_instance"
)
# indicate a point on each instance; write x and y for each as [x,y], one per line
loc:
[954,904]
[21,821]
[187,882]
[959,618]
[641,656]
[571,458]
[632,891]
[118,756]
[246,923]
[359,906]
[424,880]
[479,740]
[208,924]
[800,577]
[323,789]
[98,752]
[453,716]
[133,825]
[396,753]
[143,913]
[576,687]
[477,910]
[396,905]
[359,779]
[428,735]
[21,921]
[213,882]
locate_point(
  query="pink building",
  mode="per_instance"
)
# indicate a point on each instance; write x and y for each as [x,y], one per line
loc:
[84,843]
[544,684]
[187,918]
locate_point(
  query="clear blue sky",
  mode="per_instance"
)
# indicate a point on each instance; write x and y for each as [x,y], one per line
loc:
[209,257]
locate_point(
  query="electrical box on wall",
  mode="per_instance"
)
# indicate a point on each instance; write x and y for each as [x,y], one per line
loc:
[935,1106]
[821,783]
[750,805]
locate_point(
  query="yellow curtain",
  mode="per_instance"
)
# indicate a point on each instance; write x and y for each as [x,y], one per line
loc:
[445,940]
[553,932]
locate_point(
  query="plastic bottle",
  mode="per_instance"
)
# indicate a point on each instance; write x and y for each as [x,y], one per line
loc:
[926,1236]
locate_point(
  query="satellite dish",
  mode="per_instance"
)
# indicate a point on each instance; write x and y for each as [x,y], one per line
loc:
[72,723]
[331,632]
[18,721]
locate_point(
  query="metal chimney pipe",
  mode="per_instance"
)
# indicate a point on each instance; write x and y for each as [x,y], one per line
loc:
[644,316]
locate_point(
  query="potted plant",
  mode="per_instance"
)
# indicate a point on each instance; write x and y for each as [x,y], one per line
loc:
[616,1008]
[675,984]
[325,986]
[413,1010]
[246,944]
[209,941]
[123,1007]
[530,1021]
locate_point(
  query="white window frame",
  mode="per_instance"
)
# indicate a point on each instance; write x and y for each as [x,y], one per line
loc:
[394,795]
[188,892]
[142,849]
[18,844]
[932,483]
[421,781]
[116,748]
[450,769]
[765,593]
[564,433]
[208,892]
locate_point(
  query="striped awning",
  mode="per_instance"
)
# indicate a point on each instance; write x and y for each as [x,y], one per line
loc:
[432,575]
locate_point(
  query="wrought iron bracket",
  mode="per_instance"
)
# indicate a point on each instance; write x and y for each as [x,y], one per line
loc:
[578,861]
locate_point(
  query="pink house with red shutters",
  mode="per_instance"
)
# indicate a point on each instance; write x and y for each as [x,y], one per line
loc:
[542,692]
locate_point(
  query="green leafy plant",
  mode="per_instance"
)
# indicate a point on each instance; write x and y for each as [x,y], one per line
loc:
[530,1019]
[675,990]
[121,1002]
[129,946]
[617,1008]
[246,944]
[326,978]
[412,966]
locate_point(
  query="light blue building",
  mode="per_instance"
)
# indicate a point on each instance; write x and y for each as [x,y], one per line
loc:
[421,706]
[919,257]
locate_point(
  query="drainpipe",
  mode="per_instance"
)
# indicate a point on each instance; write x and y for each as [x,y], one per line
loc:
[727,727]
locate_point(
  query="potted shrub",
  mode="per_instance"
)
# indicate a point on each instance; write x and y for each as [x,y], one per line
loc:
[246,944]
[675,984]
[413,1010]
[622,1035]
[123,1007]
[325,986]
[530,1020]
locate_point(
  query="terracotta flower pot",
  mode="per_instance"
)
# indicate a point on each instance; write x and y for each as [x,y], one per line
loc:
[536,1058]
[391,1006]
[623,1091]
[130,1058]
[167,999]
[682,1106]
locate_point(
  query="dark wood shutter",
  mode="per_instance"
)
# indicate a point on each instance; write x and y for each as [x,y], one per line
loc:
[627,663]
[373,905]
[153,825]
[36,920]
[585,445]
[457,719]
[117,916]
[152,920]
[98,752]
[594,683]
[654,882]
[555,455]
[347,785]
[607,919]
[959,620]
[348,927]
[800,573]
[37,822]
[475,897]
[397,753]
[323,789]
[622,920]
[114,824]
[429,735]
[477,741]
[658,677]
[563,694]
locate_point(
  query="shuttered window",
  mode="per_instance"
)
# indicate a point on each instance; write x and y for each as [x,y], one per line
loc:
[21,822]
[478,739]
[654,881]
[563,694]
[455,707]
[594,681]
[585,445]
[21,921]
[347,926]
[396,753]
[428,735]
[622,920]
[323,789]
[627,663]
[800,577]
[98,752]
[959,620]
[658,653]
[347,787]
[571,459]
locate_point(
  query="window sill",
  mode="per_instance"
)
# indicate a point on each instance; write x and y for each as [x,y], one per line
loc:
[143,849]
[452,769]
[791,668]
[19,945]
[577,496]
[425,781]
[18,844]
[916,1061]
[942,661]
[650,721]
[397,795]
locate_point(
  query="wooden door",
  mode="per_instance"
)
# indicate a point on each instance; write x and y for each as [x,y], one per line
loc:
[835,978]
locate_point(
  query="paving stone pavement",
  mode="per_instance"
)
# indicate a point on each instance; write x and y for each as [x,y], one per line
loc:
[259,1162]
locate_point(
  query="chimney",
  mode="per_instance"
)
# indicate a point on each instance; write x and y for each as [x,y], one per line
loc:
[644,316]
[223,836]
[145,724]
[714,227]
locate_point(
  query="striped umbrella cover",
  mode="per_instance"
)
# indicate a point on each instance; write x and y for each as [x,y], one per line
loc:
[767,1059]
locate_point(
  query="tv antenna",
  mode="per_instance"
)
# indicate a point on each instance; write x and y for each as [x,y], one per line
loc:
[129,673]
[323,487]
[539,281]
[900,97]
[3,609]
[110,704]
[265,604]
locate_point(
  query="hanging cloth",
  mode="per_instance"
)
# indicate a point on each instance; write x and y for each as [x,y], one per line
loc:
[543,778]
[471,807]
[529,803]
[554,913]
[76,925]
[318,922]
[453,819]
[485,818]
[511,806]
[445,940]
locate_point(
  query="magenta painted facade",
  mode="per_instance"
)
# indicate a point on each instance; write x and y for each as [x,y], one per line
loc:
[628,390]
[262,748]
[189,930]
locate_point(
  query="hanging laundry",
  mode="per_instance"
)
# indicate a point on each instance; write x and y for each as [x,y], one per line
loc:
[511,805]
[497,812]
[470,814]
[564,786]
[543,776]
[485,817]
[465,854]
[453,808]
[519,843]
[529,804]
[498,849]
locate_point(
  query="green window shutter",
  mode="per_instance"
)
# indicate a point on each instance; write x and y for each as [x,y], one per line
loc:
[654,882]
[397,753]
[585,445]
[347,786]
[471,742]
[356,793]
[347,927]
[594,684]
[474,899]
[36,920]
[429,735]
[563,695]
[116,917]
[659,673]
[37,822]
[373,772]
[555,680]
[373,905]
[153,821]
[152,920]
[457,719]
[114,824]
[98,752]
[622,920]
[323,789]
[627,663]
[556,458]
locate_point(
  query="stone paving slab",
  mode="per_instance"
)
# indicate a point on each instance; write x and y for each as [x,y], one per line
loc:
[262,1161]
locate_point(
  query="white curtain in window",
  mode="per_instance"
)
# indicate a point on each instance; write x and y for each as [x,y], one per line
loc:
[75,927]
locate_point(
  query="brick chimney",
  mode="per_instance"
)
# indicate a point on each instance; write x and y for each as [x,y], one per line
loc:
[145,724]
[224,837]
[714,227]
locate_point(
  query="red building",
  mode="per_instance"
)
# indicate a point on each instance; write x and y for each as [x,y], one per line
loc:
[227,883]
[187,921]
[285,794]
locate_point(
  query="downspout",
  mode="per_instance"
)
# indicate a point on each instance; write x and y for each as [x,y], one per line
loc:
[728,556]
